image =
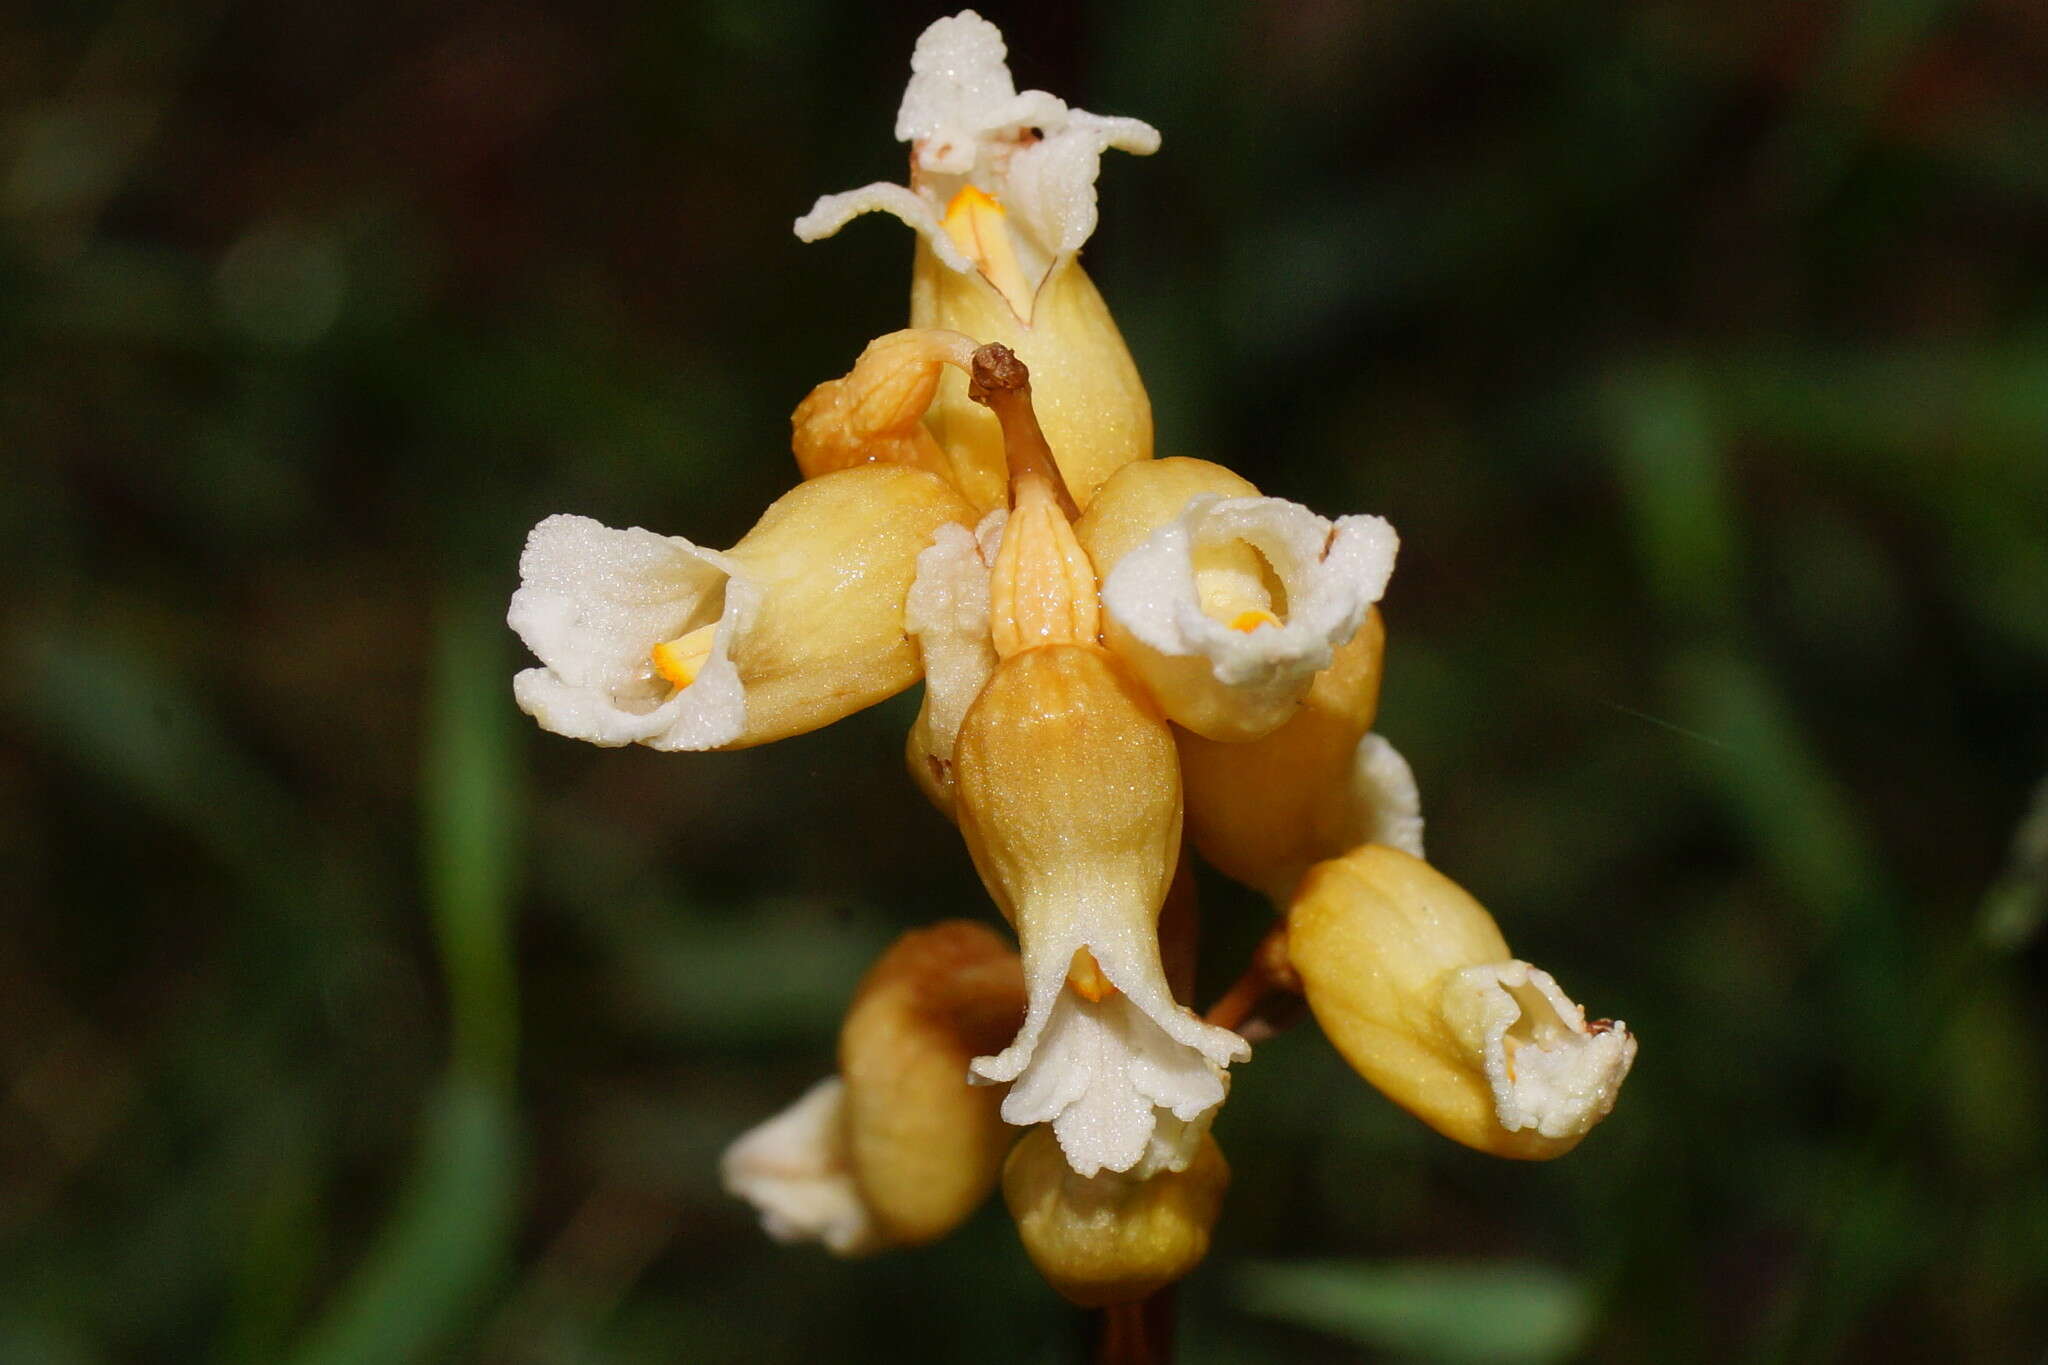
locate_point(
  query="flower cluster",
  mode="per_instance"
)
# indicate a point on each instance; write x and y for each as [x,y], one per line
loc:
[1123,658]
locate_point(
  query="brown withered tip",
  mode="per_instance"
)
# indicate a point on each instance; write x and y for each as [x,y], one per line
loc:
[997,370]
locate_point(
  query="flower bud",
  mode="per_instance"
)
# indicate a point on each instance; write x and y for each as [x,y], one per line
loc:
[1109,1238]
[1263,812]
[1069,798]
[925,1144]
[897,1149]
[875,414]
[1412,982]
[650,639]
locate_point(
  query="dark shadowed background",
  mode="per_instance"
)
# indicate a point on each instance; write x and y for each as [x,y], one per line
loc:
[1699,353]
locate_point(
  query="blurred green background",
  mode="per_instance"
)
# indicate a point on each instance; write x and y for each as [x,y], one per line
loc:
[1699,353]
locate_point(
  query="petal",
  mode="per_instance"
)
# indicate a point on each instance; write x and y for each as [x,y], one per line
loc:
[1050,184]
[1116,1089]
[968,124]
[1217,678]
[794,1168]
[960,88]
[1386,806]
[593,602]
[1108,1074]
[947,610]
[834,211]
[1549,1070]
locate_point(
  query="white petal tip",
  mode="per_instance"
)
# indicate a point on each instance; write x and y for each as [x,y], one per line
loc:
[1550,1069]
[794,1170]
[593,603]
[1229,610]
[1386,804]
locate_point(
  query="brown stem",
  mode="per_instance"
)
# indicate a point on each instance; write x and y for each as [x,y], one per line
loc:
[1268,974]
[1138,1333]
[1000,382]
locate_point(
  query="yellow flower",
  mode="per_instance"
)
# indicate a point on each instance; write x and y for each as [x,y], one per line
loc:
[1111,1238]
[650,639]
[1410,978]
[1002,196]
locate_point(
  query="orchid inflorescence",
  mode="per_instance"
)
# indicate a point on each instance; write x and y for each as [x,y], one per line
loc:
[1123,658]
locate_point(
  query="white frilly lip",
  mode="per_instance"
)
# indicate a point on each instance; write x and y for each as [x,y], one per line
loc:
[796,1170]
[592,604]
[1547,1067]
[1125,1081]
[968,124]
[1331,573]
[1386,805]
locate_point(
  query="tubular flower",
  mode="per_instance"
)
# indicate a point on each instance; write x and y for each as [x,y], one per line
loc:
[1410,978]
[1125,660]
[1069,800]
[1230,604]
[897,1148]
[1002,197]
[649,639]
[1322,784]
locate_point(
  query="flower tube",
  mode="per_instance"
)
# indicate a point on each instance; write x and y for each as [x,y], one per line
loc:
[1068,796]
[1002,197]
[1265,811]
[653,640]
[1410,978]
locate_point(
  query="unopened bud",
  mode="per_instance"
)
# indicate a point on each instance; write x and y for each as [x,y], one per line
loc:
[1109,1238]
[875,413]
[948,613]
[897,1149]
[925,1144]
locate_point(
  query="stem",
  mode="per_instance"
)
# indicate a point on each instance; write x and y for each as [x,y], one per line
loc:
[1138,1333]
[1268,974]
[1001,382]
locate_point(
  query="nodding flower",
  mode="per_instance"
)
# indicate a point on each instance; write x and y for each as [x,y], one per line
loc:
[1411,979]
